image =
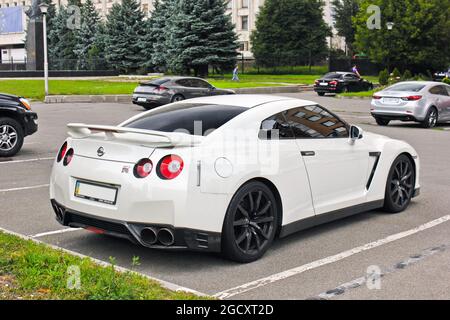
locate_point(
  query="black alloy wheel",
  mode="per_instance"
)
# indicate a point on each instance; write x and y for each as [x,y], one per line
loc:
[251,223]
[400,185]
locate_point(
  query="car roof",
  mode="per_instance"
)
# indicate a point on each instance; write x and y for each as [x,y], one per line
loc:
[246,100]
[425,83]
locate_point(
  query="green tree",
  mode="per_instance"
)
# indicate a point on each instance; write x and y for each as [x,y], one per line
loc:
[290,32]
[125,29]
[419,41]
[200,35]
[87,34]
[343,12]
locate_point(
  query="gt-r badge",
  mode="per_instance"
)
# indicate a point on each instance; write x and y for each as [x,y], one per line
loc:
[100,152]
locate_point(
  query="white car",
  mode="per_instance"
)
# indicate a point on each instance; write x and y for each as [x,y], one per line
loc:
[227,174]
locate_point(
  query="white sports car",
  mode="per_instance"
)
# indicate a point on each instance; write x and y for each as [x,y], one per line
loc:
[227,174]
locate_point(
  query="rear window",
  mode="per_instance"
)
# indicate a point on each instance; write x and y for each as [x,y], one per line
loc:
[414,87]
[157,82]
[333,75]
[195,119]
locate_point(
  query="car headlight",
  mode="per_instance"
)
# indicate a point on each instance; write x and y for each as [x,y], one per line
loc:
[25,103]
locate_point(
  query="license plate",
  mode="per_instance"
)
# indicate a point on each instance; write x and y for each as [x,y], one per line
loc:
[391,100]
[323,84]
[142,99]
[95,192]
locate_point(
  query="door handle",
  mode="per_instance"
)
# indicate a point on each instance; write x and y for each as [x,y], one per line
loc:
[308,153]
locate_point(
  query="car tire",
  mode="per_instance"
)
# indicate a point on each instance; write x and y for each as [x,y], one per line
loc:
[147,107]
[321,94]
[382,122]
[177,98]
[11,129]
[431,119]
[251,223]
[400,185]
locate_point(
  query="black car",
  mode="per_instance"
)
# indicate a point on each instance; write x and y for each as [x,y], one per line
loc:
[338,82]
[16,122]
[172,89]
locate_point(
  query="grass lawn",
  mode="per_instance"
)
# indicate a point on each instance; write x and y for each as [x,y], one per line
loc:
[34,271]
[362,94]
[34,89]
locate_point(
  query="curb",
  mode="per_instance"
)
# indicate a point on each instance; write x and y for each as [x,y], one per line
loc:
[162,283]
[122,98]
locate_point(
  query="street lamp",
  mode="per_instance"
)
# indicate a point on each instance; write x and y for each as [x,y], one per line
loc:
[390,26]
[44,9]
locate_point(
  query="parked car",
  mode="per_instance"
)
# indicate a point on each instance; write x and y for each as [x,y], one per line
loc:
[339,82]
[421,101]
[440,75]
[173,89]
[232,186]
[16,122]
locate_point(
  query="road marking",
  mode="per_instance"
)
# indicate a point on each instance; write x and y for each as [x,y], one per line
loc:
[25,188]
[26,160]
[164,284]
[50,233]
[357,283]
[325,261]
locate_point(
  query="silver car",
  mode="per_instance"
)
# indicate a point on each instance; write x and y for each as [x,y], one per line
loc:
[166,90]
[421,101]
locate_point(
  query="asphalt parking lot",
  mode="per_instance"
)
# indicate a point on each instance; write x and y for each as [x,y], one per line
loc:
[333,261]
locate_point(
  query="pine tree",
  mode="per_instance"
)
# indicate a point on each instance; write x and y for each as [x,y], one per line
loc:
[87,34]
[290,32]
[200,35]
[344,12]
[124,33]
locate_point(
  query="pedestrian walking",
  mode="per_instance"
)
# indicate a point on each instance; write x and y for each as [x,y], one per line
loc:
[236,74]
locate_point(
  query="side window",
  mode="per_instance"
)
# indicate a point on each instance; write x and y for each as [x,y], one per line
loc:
[315,122]
[184,83]
[199,83]
[275,127]
[439,90]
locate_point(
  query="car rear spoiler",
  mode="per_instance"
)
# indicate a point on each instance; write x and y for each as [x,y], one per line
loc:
[141,136]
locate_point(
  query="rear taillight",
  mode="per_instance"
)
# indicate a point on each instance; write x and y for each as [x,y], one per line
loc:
[412,98]
[316,82]
[376,97]
[68,158]
[170,167]
[333,83]
[161,89]
[143,168]
[62,152]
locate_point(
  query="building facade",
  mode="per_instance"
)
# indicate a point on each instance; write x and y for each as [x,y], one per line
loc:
[243,14]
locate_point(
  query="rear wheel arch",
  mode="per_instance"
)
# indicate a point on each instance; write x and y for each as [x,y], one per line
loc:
[275,192]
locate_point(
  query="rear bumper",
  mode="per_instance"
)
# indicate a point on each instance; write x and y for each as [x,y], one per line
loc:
[150,99]
[321,89]
[392,116]
[184,239]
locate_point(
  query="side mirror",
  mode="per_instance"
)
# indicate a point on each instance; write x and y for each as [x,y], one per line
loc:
[356,133]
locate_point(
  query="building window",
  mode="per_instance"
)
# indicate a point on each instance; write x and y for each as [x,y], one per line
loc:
[244,23]
[243,46]
[244,3]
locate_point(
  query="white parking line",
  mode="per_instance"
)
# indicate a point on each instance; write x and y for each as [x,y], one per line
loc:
[50,233]
[325,261]
[26,160]
[25,188]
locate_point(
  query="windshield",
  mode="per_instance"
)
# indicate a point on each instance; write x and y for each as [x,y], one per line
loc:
[413,87]
[194,119]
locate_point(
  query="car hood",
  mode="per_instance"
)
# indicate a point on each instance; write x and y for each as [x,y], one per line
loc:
[9,97]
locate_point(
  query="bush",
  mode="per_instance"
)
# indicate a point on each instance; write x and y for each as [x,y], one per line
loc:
[407,75]
[395,77]
[446,80]
[384,77]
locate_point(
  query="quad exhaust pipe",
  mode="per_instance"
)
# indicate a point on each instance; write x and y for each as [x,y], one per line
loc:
[166,237]
[151,236]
